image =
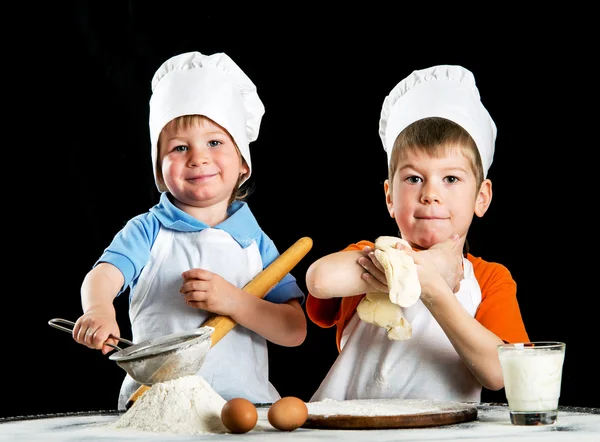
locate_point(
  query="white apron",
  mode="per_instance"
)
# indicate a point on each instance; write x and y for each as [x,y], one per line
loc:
[237,366]
[426,366]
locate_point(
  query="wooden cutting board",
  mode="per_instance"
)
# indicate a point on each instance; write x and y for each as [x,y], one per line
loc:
[363,414]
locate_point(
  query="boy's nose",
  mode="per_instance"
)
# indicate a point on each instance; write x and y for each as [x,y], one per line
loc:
[198,158]
[430,194]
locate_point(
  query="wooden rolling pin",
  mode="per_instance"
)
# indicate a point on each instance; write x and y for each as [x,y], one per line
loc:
[259,287]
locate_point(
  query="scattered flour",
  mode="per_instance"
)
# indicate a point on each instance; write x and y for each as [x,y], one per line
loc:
[186,405]
[378,407]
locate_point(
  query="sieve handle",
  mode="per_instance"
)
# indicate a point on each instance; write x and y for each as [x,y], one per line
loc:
[56,321]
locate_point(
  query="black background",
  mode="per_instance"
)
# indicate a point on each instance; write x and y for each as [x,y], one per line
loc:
[82,166]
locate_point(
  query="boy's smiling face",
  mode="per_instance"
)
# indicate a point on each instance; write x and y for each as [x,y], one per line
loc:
[199,164]
[433,197]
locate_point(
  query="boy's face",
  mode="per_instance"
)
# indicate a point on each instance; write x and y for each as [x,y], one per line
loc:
[200,165]
[432,198]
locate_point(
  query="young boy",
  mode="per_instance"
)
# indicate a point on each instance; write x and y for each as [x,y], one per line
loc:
[193,252]
[439,140]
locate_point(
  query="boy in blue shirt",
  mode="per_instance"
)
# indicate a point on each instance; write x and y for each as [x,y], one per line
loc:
[191,254]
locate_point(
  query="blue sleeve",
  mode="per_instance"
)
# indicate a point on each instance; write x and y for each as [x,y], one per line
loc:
[285,289]
[129,250]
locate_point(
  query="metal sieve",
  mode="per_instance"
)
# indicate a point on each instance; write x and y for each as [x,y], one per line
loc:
[159,359]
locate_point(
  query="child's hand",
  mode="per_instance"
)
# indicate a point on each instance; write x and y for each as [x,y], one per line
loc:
[208,291]
[441,260]
[93,328]
[375,274]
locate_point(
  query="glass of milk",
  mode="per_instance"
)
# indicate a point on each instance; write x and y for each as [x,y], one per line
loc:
[532,374]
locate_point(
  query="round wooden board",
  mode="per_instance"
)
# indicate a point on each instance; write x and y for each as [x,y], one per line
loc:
[368,414]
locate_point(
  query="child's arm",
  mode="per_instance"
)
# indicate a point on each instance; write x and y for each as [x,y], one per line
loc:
[283,324]
[475,344]
[98,291]
[337,275]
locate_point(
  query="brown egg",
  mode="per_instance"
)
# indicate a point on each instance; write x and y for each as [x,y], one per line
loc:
[288,413]
[239,415]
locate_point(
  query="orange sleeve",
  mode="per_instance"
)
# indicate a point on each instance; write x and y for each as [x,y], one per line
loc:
[335,311]
[499,310]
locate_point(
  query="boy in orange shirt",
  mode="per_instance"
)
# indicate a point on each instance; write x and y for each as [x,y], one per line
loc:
[439,140]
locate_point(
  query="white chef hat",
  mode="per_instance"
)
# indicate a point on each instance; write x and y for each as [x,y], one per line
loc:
[209,85]
[439,91]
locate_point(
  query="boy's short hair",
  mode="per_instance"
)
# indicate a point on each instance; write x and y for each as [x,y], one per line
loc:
[435,136]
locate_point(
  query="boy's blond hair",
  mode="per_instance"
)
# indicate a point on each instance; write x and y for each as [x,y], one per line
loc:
[436,136]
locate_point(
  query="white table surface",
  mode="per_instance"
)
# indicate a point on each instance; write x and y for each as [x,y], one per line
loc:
[492,424]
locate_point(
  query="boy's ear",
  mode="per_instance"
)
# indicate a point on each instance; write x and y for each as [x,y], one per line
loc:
[484,198]
[388,197]
[244,169]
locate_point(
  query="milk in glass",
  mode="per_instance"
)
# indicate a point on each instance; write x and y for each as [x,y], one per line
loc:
[532,378]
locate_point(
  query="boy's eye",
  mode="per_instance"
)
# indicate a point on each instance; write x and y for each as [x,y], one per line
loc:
[214,143]
[451,179]
[181,148]
[413,179]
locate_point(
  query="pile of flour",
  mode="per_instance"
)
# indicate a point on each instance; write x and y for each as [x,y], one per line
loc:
[186,405]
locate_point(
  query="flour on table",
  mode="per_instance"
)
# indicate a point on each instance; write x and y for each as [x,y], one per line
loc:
[186,405]
[377,407]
